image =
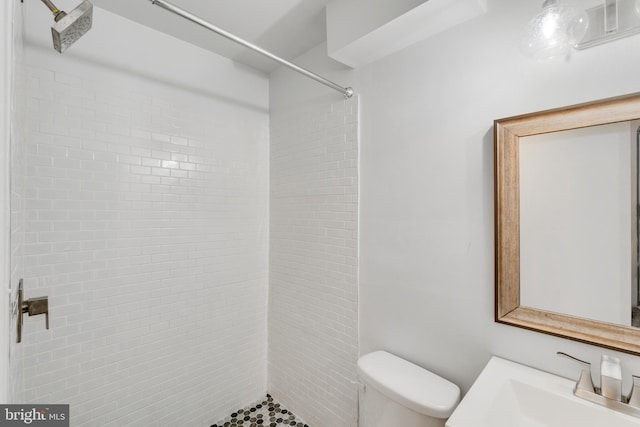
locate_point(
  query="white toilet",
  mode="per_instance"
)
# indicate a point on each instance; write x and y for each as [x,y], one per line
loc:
[398,393]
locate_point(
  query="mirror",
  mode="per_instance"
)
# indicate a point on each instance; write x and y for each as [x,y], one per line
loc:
[566,186]
[576,251]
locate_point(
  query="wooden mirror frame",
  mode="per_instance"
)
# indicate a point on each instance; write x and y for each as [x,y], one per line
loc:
[507,134]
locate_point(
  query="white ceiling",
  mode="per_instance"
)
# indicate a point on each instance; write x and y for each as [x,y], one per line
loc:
[287,28]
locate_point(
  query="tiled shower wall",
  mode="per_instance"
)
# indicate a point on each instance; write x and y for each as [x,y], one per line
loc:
[313,297]
[146,226]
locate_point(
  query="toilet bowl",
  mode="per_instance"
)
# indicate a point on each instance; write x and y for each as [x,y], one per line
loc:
[398,393]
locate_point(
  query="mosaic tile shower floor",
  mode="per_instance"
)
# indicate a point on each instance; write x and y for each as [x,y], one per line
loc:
[267,413]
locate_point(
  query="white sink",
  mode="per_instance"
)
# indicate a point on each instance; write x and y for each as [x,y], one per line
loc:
[507,394]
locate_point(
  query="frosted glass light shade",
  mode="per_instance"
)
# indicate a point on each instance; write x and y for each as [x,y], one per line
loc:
[554,31]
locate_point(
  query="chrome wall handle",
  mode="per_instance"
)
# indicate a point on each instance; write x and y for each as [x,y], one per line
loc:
[33,306]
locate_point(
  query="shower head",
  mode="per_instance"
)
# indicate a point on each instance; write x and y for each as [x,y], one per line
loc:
[70,27]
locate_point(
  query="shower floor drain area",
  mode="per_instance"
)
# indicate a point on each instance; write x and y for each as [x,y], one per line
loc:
[267,413]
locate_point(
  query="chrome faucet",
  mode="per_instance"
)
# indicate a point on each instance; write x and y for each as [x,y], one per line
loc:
[585,383]
[609,393]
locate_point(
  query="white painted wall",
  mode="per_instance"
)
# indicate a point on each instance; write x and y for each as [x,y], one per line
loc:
[575,222]
[427,276]
[426,185]
[147,211]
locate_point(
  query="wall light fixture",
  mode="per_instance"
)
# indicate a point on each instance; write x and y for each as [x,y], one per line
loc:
[613,20]
[558,27]
[554,31]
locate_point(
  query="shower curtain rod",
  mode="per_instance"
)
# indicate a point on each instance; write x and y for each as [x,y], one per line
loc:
[346,91]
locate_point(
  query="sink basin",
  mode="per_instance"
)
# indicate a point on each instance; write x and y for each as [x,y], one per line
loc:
[507,394]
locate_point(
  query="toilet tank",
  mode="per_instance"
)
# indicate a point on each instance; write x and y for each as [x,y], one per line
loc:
[399,393]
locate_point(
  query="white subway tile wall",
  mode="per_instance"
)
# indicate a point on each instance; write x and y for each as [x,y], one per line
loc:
[313,296]
[147,228]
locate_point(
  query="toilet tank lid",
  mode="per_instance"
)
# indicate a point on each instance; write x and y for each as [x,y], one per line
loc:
[408,384]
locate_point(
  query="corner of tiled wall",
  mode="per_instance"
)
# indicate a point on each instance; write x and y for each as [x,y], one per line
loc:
[313,299]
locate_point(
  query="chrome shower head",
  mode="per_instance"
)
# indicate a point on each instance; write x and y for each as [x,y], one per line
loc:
[70,27]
